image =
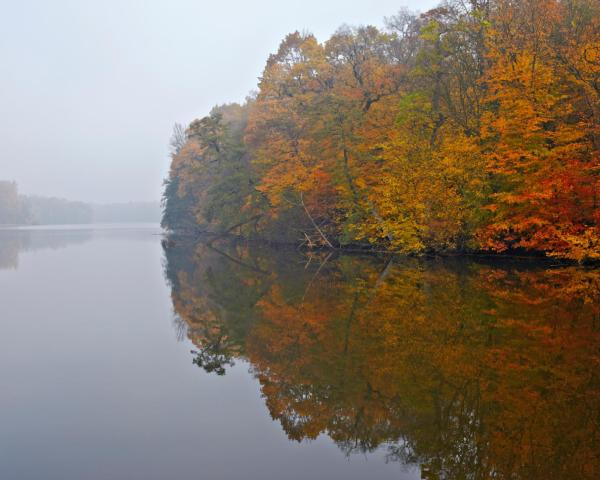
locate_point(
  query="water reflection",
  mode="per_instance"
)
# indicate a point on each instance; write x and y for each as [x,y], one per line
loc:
[17,240]
[466,369]
[14,241]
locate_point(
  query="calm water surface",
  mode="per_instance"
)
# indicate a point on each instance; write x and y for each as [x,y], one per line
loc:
[124,355]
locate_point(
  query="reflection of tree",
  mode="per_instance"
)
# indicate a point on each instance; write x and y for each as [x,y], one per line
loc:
[469,370]
[214,294]
[9,252]
[15,241]
[213,357]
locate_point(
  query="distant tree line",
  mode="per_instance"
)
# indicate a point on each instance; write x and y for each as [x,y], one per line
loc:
[148,212]
[17,209]
[474,126]
[56,211]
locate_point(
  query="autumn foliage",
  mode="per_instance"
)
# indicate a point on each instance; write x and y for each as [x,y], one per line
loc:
[465,128]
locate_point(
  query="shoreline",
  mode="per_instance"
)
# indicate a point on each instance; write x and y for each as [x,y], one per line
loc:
[208,238]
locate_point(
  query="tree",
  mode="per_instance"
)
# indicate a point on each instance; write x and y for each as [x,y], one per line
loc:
[541,130]
[210,186]
[13,209]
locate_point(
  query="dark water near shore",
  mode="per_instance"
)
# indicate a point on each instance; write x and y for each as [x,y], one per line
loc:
[126,356]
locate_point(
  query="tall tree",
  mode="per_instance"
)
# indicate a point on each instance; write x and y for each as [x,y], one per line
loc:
[542,128]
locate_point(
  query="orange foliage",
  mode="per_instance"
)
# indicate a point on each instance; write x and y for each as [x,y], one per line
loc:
[465,128]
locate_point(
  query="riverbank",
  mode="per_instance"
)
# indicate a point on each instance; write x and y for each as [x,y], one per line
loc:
[523,256]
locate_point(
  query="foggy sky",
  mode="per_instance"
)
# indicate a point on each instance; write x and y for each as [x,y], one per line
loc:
[89,90]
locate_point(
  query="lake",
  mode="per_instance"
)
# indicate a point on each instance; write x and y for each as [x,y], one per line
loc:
[125,354]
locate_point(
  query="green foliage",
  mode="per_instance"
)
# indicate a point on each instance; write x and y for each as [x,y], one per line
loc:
[210,186]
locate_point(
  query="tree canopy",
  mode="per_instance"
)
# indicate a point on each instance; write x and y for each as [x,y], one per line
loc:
[473,126]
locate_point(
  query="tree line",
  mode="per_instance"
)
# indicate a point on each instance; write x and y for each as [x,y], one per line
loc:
[472,127]
[18,209]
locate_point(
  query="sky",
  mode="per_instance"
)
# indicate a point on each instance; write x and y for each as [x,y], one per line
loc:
[90,90]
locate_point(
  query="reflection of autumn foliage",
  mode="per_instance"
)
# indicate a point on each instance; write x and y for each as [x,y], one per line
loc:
[216,311]
[470,370]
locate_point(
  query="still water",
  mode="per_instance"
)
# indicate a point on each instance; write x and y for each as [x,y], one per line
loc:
[126,355]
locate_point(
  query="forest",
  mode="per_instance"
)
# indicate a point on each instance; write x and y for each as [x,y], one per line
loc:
[19,209]
[473,127]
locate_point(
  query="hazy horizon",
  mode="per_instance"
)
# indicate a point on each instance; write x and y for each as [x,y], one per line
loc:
[90,91]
